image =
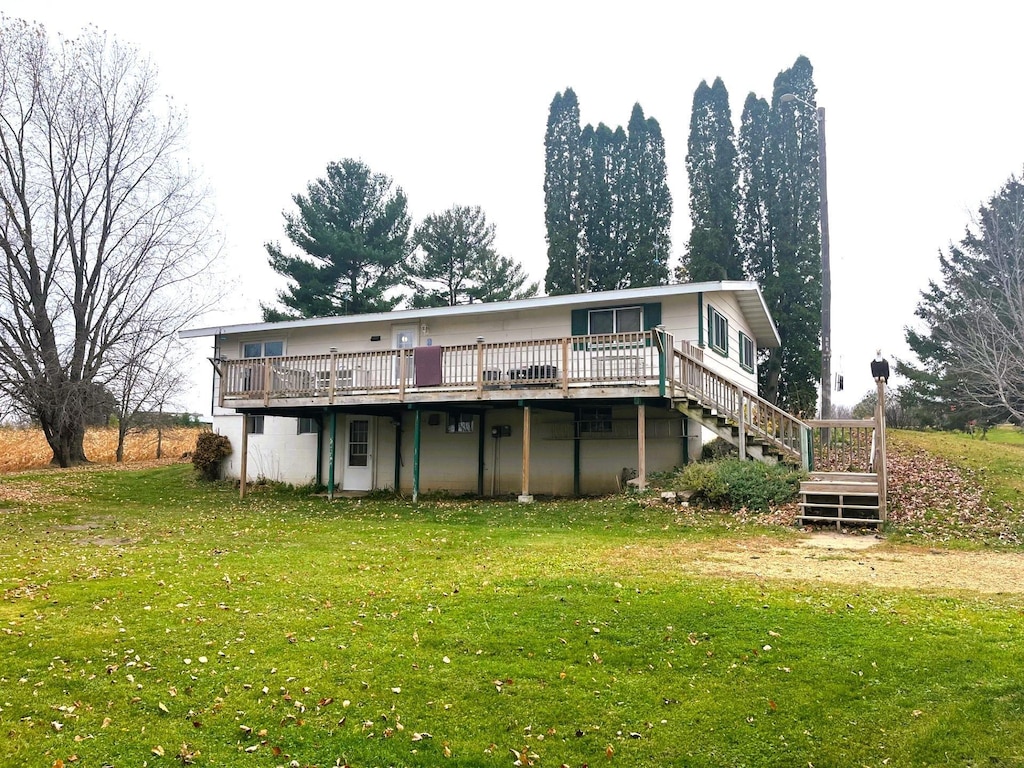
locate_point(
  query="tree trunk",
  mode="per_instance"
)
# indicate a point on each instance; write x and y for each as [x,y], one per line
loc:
[66,439]
[121,434]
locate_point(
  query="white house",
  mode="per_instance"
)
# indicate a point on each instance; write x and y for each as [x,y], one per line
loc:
[552,395]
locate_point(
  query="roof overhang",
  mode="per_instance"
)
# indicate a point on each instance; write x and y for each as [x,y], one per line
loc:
[748,296]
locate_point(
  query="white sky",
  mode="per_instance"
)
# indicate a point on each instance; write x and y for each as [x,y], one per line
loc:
[451,99]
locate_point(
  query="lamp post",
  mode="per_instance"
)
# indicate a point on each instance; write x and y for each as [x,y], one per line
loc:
[826,270]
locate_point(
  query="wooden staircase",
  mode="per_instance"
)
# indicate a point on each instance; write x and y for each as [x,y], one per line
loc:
[845,458]
[840,497]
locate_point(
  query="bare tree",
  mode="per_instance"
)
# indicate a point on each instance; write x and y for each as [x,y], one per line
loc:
[973,350]
[103,229]
[149,375]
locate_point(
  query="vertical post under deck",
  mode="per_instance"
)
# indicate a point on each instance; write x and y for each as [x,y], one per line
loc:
[524,496]
[331,454]
[416,432]
[641,445]
[245,456]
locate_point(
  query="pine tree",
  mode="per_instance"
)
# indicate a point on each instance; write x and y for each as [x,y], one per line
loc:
[353,230]
[455,262]
[565,273]
[647,204]
[713,251]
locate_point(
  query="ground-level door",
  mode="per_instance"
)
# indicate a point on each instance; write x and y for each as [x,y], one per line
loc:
[358,474]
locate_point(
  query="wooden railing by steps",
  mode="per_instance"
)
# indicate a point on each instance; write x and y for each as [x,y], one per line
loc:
[846,484]
[755,419]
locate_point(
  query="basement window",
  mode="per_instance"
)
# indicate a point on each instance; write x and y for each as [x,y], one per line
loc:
[306,426]
[254,425]
[460,422]
[594,421]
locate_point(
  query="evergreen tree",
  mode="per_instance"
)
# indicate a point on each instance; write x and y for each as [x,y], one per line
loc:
[455,262]
[565,273]
[971,352]
[713,251]
[602,209]
[794,218]
[780,234]
[647,203]
[353,230]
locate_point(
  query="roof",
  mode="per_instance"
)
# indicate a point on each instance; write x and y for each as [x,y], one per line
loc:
[748,296]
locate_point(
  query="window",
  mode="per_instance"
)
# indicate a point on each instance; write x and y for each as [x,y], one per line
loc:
[624,320]
[306,426]
[746,352]
[597,420]
[718,331]
[254,425]
[460,422]
[359,443]
[263,349]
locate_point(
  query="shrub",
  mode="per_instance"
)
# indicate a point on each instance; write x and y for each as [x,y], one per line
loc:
[719,448]
[704,480]
[211,450]
[736,484]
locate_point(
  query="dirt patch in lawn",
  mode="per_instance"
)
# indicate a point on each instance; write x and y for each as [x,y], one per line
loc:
[843,559]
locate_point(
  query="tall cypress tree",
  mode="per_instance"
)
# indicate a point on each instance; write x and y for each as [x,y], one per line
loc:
[647,204]
[566,273]
[713,251]
[794,216]
[780,232]
[602,209]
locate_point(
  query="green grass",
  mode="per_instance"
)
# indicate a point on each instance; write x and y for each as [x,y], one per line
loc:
[1006,434]
[144,613]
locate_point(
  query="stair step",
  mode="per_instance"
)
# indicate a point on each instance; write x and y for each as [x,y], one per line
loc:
[857,477]
[838,489]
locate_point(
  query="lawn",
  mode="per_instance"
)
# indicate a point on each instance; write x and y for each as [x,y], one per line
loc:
[150,619]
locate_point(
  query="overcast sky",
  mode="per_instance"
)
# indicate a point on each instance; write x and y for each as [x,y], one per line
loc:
[450,99]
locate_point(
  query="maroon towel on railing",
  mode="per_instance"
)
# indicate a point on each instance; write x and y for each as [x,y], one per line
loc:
[427,364]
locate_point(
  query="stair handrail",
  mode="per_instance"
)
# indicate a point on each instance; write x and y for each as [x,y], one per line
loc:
[789,433]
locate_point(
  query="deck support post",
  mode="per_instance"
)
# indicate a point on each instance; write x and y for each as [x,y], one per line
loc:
[481,447]
[576,460]
[319,450]
[331,454]
[641,445]
[742,428]
[416,433]
[398,453]
[882,468]
[524,496]
[245,456]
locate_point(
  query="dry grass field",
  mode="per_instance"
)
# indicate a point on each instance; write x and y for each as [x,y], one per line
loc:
[26,448]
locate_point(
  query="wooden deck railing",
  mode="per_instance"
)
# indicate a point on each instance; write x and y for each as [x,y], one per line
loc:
[598,359]
[843,445]
[691,379]
[620,359]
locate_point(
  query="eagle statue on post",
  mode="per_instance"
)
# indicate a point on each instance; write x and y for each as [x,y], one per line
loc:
[880,368]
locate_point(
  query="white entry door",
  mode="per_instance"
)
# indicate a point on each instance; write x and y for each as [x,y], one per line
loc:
[358,453]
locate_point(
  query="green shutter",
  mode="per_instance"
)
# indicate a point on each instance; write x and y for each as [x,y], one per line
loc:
[700,319]
[652,315]
[580,322]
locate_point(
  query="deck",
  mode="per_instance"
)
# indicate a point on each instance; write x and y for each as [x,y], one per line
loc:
[643,365]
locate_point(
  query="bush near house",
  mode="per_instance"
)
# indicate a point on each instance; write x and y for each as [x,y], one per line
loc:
[211,450]
[737,484]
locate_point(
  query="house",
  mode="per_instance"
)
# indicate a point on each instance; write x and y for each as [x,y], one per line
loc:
[552,395]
